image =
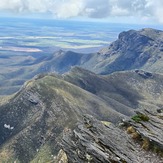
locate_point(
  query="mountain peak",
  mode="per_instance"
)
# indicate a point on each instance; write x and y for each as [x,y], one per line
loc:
[134,36]
[152,33]
[134,50]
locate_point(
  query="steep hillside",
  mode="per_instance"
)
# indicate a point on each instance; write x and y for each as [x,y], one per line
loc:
[134,89]
[32,120]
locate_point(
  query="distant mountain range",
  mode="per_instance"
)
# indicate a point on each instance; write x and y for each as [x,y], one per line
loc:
[133,50]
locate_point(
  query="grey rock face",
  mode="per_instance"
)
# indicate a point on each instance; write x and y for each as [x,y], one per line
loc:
[93,141]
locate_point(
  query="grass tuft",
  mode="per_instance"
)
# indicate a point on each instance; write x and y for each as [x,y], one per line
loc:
[140,117]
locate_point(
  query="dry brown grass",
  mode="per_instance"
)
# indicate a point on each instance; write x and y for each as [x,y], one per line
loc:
[145,144]
[130,130]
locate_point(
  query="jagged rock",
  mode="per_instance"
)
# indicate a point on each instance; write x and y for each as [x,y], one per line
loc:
[144,74]
[160,110]
[61,157]
[33,101]
[151,129]
[32,98]
[92,141]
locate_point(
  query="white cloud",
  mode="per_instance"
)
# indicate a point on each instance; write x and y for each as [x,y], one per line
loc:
[145,9]
[98,8]
[117,11]
[158,9]
[66,9]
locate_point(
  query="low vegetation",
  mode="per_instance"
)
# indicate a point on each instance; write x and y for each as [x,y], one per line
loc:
[140,117]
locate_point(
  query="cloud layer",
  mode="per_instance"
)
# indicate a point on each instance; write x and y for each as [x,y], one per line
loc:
[146,9]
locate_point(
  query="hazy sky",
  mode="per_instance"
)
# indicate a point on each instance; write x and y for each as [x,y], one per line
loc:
[136,10]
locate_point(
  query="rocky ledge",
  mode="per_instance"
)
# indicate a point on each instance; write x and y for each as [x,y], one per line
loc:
[139,139]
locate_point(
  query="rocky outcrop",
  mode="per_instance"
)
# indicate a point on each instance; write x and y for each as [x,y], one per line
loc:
[144,74]
[131,141]
[149,128]
[61,157]
[134,50]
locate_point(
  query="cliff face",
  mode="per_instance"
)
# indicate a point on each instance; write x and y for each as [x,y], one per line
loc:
[132,50]
[94,141]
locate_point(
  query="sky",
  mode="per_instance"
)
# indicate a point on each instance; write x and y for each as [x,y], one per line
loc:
[136,11]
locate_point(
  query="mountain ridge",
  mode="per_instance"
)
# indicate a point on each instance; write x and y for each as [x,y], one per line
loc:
[32,120]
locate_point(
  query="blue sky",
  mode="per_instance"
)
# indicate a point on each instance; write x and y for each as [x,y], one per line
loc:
[131,11]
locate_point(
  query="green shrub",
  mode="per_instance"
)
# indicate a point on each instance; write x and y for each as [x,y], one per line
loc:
[140,117]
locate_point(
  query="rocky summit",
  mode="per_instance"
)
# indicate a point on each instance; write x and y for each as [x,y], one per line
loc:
[132,50]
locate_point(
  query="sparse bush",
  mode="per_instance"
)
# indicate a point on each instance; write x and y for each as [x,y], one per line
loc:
[133,132]
[156,149]
[136,118]
[135,135]
[130,130]
[140,117]
[145,144]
